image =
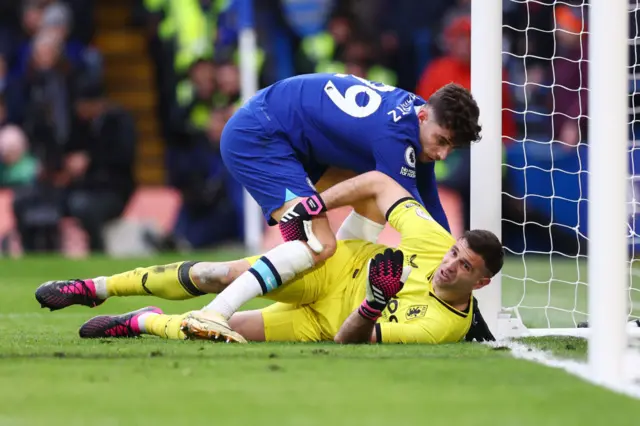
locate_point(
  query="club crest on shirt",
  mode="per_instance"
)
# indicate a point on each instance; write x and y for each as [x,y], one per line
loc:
[410,157]
[416,311]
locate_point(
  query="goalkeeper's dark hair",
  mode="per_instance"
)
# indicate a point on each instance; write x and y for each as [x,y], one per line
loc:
[456,110]
[487,246]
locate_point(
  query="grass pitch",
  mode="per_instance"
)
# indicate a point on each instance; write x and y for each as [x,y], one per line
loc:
[49,376]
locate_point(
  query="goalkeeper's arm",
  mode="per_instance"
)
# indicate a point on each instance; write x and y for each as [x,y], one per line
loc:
[356,329]
[385,278]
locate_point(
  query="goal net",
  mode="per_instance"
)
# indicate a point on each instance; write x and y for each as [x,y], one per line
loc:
[545,186]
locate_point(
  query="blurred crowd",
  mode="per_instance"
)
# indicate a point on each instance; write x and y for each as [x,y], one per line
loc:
[67,150]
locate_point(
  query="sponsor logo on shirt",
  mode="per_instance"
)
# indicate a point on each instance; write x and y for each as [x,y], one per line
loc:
[410,173]
[423,214]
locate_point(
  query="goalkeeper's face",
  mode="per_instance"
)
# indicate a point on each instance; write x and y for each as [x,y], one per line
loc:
[461,270]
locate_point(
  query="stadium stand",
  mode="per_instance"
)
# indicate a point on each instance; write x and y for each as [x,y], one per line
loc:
[172,66]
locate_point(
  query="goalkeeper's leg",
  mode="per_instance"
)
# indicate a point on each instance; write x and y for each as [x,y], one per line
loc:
[149,320]
[365,222]
[175,281]
[281,264]
[279,322]
[154,322]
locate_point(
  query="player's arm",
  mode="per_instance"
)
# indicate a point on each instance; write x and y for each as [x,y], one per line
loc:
[391,332]
[403,212]
[386,275]
[358,329]
[428,190]
[374,185]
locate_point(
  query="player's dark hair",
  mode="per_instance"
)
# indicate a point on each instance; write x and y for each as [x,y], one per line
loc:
[487,246]
[456,110]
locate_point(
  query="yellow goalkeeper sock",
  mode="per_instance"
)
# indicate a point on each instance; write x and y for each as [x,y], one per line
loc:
[172,282]
[165,326]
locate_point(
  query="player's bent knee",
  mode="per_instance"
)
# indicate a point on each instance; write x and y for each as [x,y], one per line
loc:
[249,324]
[323,232]
[328,248]
[213,277]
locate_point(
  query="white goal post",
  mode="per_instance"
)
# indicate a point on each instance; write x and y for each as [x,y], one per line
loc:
[247,46]
[608,278]
[608,285]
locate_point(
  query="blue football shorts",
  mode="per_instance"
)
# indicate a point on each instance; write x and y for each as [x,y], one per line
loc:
[264,162]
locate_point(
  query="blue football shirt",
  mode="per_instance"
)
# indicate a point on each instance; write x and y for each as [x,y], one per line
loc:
[347,122]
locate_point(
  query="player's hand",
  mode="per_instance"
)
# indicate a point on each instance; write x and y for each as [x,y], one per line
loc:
[386,276]
[296,222]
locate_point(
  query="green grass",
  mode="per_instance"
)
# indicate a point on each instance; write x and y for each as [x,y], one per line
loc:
[51,377]
[552,292]
[562,347]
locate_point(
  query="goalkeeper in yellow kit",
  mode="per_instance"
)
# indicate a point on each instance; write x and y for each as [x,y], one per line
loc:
[366,292]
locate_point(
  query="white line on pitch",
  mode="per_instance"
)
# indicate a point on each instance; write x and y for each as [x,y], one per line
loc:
[577,368]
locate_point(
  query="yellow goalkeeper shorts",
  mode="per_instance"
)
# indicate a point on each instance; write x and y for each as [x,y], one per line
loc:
[309,308]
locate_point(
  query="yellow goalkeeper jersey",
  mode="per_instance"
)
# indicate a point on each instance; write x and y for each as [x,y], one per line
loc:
[416,314]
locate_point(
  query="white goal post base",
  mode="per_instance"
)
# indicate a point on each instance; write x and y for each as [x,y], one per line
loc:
[510,328]
[510,325]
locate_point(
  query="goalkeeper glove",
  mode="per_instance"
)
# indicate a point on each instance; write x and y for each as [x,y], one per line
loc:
[296,222]
[386,277]
[479,330]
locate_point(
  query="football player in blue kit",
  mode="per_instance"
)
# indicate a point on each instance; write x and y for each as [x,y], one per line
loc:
[326,128]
